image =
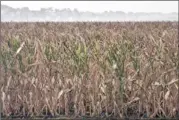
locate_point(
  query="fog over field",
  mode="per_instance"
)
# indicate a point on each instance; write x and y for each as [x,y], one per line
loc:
[66,14]
[64,69]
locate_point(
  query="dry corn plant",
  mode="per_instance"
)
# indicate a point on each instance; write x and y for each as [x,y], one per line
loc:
[94,69]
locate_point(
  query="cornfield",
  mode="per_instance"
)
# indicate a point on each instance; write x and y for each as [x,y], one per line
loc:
[120,69]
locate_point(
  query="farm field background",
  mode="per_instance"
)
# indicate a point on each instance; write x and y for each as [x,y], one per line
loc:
[121,69]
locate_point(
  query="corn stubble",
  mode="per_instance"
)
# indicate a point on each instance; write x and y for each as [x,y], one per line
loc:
[113,69]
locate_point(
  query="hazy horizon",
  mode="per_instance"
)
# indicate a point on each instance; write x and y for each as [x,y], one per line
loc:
[91,10]
[100,6]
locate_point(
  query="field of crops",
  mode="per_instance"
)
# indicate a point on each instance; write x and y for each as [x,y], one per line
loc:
[94,69]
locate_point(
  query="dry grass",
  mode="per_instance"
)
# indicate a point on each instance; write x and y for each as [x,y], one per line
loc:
[118,69]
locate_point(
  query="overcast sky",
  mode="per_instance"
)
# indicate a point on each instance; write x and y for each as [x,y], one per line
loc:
[100,6]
